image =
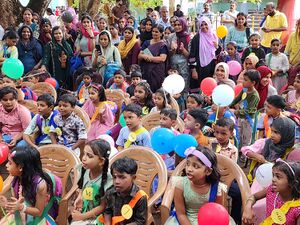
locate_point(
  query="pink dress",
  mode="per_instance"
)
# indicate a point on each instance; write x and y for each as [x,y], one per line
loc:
[102,123]
[291,98]
[292,214]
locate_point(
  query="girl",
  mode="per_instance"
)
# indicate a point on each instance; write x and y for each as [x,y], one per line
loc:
[293,97]
[162,99]
[102,118]
[114,30]
[168,30]
[230,53]
[281,197]
[132,22]
[200,185]
[254,41]
[33,189]
[192,101]
[143,97]
[249,64]
[146,35]
[94,179]
[222,75]
[101,23]
[28,21]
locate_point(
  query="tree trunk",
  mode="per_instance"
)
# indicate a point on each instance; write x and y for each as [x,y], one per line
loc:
[93,7]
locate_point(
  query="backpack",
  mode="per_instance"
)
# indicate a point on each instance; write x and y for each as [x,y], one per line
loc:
[75,63]
[42,135]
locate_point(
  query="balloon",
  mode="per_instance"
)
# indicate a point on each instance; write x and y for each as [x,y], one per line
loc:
[208,85]
[222,31]
[67,17]
[223,95]
[1,184]
[234,67]
[182,142]
[4,151]
[161,140]
[237,89]
[122,120]
[13,68]
[53,82]
[263,174]
[173,84]
[213,213]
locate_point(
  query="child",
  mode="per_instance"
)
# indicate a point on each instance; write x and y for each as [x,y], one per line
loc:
[162,99]
[249,64]
[133,133]
[83,88]
[293,97]
[282,196]
[14,118]
[119,81]
[136,77]
[102,118]
[41,123]
[193,101]
[247,102]
[279,64]
[95,176]
[230,53]
[34,191]
[200,185]
[124,190]
[254,48]
[46,30]
[194,122]
[9,49]
[143,97]
[68,129]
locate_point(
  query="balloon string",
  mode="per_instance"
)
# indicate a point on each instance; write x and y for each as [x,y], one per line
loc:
[217,114]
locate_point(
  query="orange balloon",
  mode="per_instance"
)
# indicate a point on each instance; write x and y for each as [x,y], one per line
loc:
[1,184]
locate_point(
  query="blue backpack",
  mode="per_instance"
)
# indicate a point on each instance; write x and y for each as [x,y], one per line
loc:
[75,63]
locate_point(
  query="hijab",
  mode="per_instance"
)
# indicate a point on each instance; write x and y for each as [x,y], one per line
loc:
[254,59]
[286,127]
[183,36]
[226,80]
[263,90]
[206,44]
[109,50]
[147,35]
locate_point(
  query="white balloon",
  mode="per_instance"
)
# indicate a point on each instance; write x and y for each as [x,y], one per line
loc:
[223,95]
[173,84]
[263,174]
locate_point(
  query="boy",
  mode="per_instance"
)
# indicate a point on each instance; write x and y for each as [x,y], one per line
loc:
[121,195]
[9,49]
[119,81]
[194,122]
[41,122]
[68,128]
[136,77]
[133,133]
[247,101]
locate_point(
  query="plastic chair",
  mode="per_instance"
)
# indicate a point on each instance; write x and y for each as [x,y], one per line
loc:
[229,171]
[175,105]
[150,164]
[118,97]
[27,84]
[84,116]
[42,88]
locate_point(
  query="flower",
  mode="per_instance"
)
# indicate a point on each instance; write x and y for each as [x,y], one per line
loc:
[58,131]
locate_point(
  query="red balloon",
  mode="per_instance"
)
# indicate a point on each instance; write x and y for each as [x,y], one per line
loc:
[237,90]
[208,85]
[214,214]
[51,81]
[4,151]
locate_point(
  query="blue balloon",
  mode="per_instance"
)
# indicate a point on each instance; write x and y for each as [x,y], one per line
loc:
[161,140]
[182,142]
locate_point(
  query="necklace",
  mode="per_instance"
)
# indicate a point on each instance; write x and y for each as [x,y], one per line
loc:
[277,215]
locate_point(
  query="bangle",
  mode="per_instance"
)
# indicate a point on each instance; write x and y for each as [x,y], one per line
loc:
[252,199]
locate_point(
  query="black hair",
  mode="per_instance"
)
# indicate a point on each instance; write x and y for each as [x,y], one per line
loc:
[130,28]
[45,21]
[114,25]
[47,98]
[298,76]
[275,40]
[148,94]
[253,35]
[293,179]
[10,35]
[127,11]
[253,75]
[27,9]
[86,16]
[165,95]
[68,98]
[198,98]
[55,29]
[241,14]
[134,108]
[200,116]
[171,113]
[233,43]
[136,74]
[160,28]
[120,72]
[215,176]
[101,91]
[135,67]
[124,165]
[170,29]
[225,122]
[28,158]
[100,148]
[8,90]
[276,101]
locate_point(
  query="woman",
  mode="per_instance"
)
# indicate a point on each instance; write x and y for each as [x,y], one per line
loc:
[131,21]
[30,50]
[153,58]
[264,88]
[101,23]
[222,74]
[202,53]
[146,35]
[28,20]
[56,59]
[46,29]
[85,42]
[114,31]
[129,49]
[178,44]
[240,32]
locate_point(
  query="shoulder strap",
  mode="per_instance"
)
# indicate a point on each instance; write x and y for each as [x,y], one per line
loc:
[135,134]
[213,192]
[248,32]
[97,111]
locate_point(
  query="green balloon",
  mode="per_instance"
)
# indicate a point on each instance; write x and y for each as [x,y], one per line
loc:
[13,68]
[122,120]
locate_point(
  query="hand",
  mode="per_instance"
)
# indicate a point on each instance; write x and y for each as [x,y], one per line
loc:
[133,99]
[103,61]
[78,203]
[3,201]
[89,30]
[266,30]
[12,143]
[194,74]
[174,46]
[15,205]
[181,47]
[260,158]
[76,215]
[48,35]
[43,68]
[248,216]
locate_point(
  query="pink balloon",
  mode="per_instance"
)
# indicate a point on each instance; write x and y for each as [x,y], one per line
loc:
[234,67]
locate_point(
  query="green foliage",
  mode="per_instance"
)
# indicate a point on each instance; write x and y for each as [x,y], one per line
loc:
[142,4]
[75,4]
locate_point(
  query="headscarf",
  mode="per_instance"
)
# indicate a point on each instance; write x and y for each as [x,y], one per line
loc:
[254,59]
[206,44]
[86,34]
[109,50]
[286,127]
[63,47]
[262,90]
[183,36]
[226,80]
[147,35]
[124,47]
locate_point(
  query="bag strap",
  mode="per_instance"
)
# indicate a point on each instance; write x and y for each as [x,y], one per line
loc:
[136,134]
[213,192]
[101,104]
[248,33]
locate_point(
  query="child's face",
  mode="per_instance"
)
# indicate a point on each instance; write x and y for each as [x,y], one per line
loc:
[93,94]
[101,24]
[87,80]
[12,168]
[113,31]
[222,134]
[220,73]
[222,110]
[247,83]
[195,170]
[90,160]
[33,79]
[8,82]
[135,80]
[118,80]
[297,84]
[271,110]
[275,136]
[275,47]
[248,64]
[191,103]
[132,120]
[280,181]
[159,100]
[123,181]
[47,28]
[167,33]
[139,94]
[8,102]
[166,122]
[231,50]
[172,71]
[43,108]
[190,123]
[11,42]
[266,80]
[130,22]
[104,40]
[65,108]
[241,20]
[254,41]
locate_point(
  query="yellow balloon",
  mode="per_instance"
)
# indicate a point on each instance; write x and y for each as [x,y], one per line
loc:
[222,31]
[1,184]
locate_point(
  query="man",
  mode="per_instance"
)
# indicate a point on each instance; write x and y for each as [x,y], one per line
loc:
[229,16]
[164,20]
[208,13]
[155,16]
[276,22]
[178,12]
[118,10]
